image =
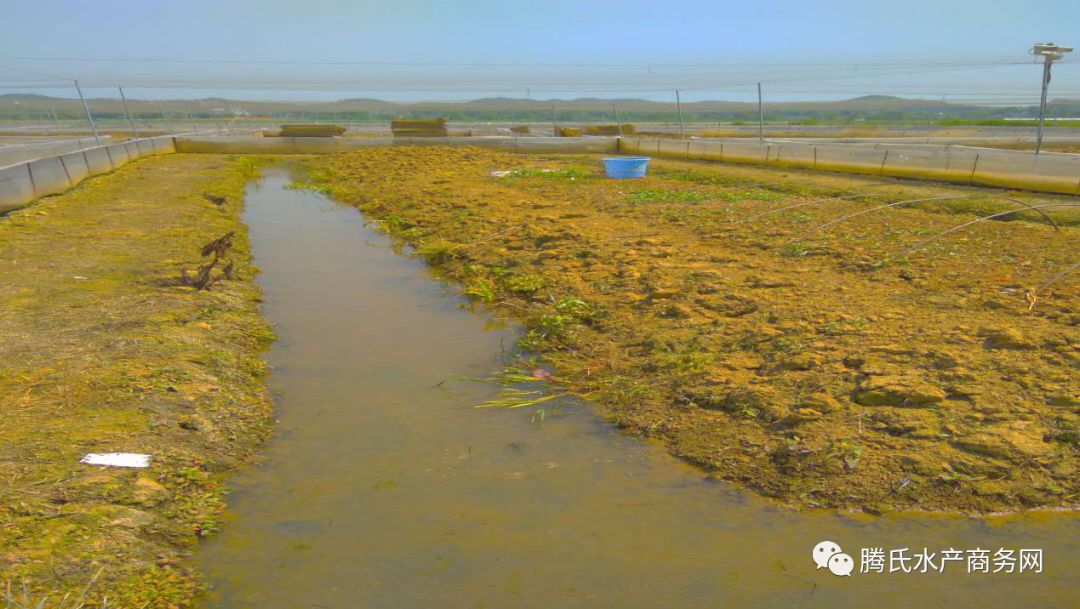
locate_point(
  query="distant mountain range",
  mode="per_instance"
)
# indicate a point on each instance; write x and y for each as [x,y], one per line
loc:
[868,108]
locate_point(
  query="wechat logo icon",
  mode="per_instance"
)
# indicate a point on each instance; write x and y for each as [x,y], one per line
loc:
[828,555]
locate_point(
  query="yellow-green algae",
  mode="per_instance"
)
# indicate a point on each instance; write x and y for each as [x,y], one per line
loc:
[822,368]
[102,350]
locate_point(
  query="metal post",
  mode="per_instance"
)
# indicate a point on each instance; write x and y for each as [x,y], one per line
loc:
[131,119]
[168,123]
[1050,53]
[89,117]
[761,117]
[191,120]
[1042,103]
[678,108]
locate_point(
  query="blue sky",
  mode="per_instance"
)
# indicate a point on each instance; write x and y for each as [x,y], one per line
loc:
[632,48]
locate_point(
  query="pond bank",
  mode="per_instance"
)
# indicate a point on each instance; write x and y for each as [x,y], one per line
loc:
[825,368]
[102,350]
[386,488]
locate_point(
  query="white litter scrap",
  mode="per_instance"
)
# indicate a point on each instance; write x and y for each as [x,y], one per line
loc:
[516,172]
[117,459]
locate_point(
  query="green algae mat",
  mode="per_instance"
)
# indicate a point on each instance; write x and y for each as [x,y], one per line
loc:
[103,350]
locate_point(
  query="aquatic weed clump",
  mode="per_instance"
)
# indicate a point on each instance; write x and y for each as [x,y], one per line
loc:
[205,276]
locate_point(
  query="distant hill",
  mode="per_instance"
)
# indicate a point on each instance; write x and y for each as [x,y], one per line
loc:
[875,98]
[867,108]
[364,100]
[25,97]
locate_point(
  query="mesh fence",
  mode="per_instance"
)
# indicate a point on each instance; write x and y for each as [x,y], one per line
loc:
[1047,172]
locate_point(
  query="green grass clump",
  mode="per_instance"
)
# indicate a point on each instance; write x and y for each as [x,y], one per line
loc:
[483,290]
[436,251]
[804,248]
[656,195]
[556,324]
[568,173]
[394,224]
[752,194]
[698,177]
[524,284]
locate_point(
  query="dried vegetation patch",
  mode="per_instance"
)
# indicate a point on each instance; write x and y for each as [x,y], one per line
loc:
[709,307]
[102,349]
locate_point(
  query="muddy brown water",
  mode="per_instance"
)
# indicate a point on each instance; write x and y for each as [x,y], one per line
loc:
[384,489]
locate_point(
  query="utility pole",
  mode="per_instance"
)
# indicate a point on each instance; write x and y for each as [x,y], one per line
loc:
[554,122]
[678,108]
[191,120]
[1050,53]
[760,117]
[166,117]
[131,119]
[89,117]
[194,126]
[618,123]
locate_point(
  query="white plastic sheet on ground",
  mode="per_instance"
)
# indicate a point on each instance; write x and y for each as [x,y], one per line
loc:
[117,459]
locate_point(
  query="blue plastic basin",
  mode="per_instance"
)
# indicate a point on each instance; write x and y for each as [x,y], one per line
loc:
[626,167]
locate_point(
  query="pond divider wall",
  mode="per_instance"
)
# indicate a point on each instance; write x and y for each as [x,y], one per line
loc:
[23,182]
[17,153]
[1047,172]
[316,145]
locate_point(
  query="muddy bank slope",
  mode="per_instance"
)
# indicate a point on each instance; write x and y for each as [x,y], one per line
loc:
[820,367]
[101,350]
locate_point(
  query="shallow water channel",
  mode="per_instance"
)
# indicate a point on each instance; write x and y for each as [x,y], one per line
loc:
[384,489]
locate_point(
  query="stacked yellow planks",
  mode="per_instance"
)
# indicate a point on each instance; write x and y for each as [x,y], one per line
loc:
[435,127]
[311,130]
[610,130]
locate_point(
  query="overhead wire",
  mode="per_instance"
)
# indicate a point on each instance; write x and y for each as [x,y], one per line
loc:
[398,63]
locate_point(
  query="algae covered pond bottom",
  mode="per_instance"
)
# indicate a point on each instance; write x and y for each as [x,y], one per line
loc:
[384,488]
